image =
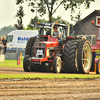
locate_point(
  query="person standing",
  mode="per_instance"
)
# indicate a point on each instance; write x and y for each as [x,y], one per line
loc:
[1,48]
[0,40]
[4,43]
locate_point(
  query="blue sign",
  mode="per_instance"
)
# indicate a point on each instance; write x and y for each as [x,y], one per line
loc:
[22,39]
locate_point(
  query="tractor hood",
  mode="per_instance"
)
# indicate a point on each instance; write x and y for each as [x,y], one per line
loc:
[46,44]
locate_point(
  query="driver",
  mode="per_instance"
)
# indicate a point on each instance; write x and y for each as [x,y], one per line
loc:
[57,34]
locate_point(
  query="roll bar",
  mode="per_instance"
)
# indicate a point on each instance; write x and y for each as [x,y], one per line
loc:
[61,22]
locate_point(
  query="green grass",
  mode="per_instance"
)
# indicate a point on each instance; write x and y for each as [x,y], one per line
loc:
[13,63]
[49,76]
[10,63]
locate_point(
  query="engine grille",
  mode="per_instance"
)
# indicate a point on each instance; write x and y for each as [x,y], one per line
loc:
[40,56]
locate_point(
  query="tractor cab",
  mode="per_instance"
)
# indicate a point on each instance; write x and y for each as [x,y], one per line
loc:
[46,30]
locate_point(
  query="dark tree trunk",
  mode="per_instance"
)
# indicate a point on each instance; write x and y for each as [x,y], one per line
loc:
[50,17]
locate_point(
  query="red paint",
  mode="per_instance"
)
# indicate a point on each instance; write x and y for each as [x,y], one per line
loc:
[35,60]
[50,43]
[97,46]
[50,61]
[43,59]
[40,60]
[19,61]
[96,60]
[93,22]
[52,40]
[69,37]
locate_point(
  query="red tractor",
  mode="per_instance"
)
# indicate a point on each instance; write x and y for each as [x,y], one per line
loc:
[95,67]
[96,48]
[43,53]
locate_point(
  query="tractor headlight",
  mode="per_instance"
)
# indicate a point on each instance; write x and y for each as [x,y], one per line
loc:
[37,56]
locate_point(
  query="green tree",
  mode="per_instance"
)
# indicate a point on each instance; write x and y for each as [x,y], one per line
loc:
[79,27]
[31,25]
[55,19]
[6,29]
[20,14]
[52,5]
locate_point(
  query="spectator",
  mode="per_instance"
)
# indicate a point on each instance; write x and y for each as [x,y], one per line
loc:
[4,43]
[0,40]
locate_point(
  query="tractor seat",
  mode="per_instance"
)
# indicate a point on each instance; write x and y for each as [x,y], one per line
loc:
[48,33]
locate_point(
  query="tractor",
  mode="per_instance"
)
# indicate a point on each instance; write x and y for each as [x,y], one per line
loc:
[96,48]
[95,67]
[44,54]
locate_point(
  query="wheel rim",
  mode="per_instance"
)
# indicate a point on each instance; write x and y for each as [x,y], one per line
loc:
[58,65]
[86,60]
[76,60]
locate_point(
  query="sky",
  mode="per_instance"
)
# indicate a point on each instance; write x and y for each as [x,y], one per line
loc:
[8,9]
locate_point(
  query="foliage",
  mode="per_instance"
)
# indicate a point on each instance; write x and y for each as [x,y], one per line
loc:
[20,14]
[31,25]
[6,29]
[28,28]
[52,5]
[55,19]
[79,27]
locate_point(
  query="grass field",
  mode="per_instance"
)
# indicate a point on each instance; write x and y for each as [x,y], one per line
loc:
[13,63]
[49,76]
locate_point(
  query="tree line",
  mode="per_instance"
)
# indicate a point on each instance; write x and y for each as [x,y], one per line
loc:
[48,7]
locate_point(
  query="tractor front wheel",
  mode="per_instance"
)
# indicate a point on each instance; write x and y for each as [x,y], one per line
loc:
[57,65]
[98,67]
[27,64]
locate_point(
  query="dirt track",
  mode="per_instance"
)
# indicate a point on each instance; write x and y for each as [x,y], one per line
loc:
[66,89]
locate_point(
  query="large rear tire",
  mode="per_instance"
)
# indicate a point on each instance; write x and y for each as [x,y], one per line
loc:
[84,56]
[70,56]
[27,64]
[30,47]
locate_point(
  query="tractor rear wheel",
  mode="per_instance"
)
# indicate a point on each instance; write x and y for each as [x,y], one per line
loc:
[70,56]
[84,56]
[98,67]
[30,47]
[57,65]
[27,64]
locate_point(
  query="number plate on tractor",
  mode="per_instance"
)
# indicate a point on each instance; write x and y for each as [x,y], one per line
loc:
[39,52]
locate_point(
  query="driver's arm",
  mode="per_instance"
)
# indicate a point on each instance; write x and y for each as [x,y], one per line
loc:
[58,35]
